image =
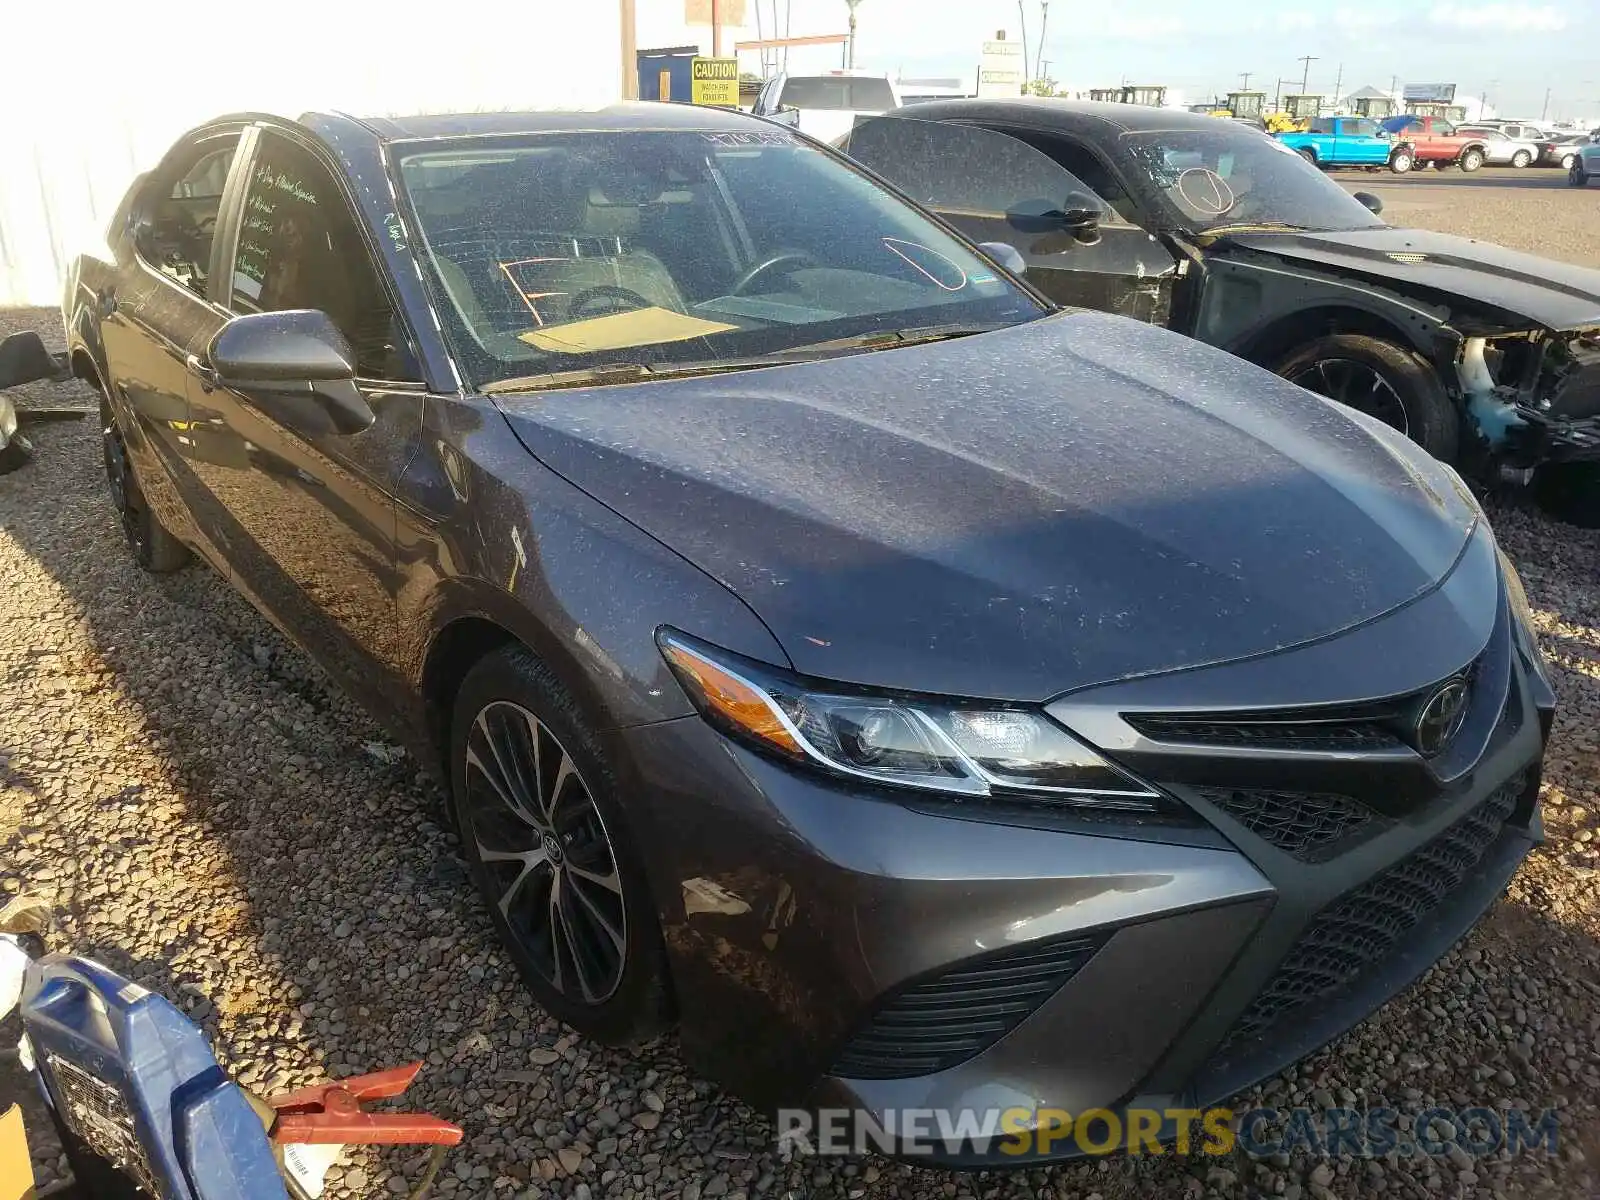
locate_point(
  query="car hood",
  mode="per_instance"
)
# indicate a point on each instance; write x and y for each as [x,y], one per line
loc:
[1532,289]
[1019,513]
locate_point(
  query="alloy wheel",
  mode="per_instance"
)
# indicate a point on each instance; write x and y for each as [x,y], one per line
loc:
[1357,385]
[125,494]
[534,827]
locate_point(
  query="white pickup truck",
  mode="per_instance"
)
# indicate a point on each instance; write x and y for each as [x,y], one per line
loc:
[825,106]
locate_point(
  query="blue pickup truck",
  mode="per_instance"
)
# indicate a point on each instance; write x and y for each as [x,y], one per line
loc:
[1351,142]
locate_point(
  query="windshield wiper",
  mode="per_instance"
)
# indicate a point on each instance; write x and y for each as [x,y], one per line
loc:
[634,372]
[1247,225]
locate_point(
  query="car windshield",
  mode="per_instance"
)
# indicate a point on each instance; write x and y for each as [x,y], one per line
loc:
[837,91]
[555,253]
[1213,178]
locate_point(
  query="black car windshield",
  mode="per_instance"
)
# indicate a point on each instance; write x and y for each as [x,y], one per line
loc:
[561,252]
[1213,178]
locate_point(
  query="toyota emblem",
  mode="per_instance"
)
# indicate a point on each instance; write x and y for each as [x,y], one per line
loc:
[1442,716]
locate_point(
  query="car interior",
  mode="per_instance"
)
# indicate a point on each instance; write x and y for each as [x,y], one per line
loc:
[535,249]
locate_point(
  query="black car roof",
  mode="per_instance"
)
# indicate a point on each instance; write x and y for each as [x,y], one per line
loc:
[633,115]
[1046,112]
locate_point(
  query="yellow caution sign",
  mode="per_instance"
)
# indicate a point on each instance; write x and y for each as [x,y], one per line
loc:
[714,81]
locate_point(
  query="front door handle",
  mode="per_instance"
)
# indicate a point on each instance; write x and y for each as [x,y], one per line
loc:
[206,374]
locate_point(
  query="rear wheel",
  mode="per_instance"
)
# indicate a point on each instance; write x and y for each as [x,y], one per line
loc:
[1567,161]
[1383,380]
[1401,161]
[1471,159]
[1521,159]
[1310,155]
[552,851]
[153,547]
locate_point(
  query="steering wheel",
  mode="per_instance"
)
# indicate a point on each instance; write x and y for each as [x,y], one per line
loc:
[794,258]
[607,299]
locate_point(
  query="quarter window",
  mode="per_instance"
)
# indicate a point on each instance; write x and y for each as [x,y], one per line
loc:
[300,247]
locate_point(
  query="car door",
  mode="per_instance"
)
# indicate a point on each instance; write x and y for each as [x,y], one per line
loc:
[307,519]
[1359,141]
[158,308]
[981,179]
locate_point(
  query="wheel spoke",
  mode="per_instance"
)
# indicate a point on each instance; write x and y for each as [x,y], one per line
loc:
[530,861]
[506,783]
[594,916]
[565,772]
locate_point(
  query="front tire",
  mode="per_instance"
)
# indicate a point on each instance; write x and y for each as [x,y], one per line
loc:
[1577,176]
[1471,160]
[1307,153]
[1383,380]
[153,547]
[1521,159]
[552,851]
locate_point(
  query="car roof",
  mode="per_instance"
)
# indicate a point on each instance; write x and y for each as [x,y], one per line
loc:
[1046,112]
[622,117]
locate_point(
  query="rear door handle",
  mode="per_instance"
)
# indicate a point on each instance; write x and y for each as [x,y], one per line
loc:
[206,375]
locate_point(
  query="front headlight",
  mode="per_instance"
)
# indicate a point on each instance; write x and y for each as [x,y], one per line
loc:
[1522,623]
[967,749]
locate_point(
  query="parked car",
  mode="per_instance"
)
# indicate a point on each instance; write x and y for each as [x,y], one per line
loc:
[1518,131]
[1587,165]
[1486,357]
[926,695]
[1561,150]
[1350,142]
[825,106]
[1435,141]
[1500,148]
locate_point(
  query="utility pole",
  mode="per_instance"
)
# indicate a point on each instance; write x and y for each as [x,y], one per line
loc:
[850,59]
[1044,16]
[1338,82]
[1544,113]
[630,54]
[1305,76]
[1244,80]
[716,28]
[1022,15]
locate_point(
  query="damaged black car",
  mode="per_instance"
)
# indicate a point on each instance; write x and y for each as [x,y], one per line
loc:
[1488,358]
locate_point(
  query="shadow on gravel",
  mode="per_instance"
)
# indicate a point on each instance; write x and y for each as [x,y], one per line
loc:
[217,821]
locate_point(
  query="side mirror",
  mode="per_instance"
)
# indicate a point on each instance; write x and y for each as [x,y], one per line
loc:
[1372,203]
[296,365]
[1007,255]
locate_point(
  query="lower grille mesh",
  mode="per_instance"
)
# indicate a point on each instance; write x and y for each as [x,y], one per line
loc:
[1361,930]
[95,1111]
[1312,826]
[934,1025]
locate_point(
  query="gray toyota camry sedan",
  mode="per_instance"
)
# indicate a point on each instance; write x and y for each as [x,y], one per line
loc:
[923,696]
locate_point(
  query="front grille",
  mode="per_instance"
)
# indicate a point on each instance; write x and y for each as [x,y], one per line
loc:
[941,1022]
[1312,826]
[1215,729]
[98,1115]
[1360,930]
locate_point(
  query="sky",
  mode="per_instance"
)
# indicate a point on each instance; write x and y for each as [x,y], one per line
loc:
[1512,51]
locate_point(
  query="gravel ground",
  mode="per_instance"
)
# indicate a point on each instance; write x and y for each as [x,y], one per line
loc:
[219,823]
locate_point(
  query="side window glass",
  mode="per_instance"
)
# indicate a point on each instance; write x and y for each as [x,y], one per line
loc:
[1322,125]
[1081,162]
[962,171]
[179,219]
[300,247]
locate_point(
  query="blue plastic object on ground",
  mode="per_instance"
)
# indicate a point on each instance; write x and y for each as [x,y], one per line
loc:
[125,1069]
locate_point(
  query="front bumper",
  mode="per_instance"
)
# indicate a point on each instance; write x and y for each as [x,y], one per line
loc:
[841,949]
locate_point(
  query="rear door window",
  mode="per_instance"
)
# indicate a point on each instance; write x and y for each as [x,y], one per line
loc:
[179,218]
